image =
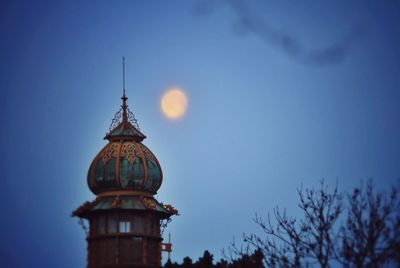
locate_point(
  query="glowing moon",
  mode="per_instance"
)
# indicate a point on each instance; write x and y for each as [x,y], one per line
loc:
[174,103]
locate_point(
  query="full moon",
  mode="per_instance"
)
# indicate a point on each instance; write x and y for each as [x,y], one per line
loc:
[174,103]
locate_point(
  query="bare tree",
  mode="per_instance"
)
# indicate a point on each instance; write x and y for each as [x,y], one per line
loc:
[367,236]
[371,234]
[291,242]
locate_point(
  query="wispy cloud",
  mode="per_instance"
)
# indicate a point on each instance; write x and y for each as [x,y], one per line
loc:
[245,21]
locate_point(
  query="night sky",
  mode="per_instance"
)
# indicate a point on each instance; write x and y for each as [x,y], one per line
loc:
[281,94]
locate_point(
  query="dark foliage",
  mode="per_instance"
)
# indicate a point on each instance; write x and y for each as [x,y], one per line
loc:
[254,260]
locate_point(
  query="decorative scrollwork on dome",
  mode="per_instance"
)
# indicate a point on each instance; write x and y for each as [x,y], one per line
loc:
[170,209]
[116,120]
[132,119]
[149,203]
[111,151]
[129,150]
[149,155]
[116,202]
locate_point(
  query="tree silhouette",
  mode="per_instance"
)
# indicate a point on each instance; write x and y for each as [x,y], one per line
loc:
[254,260]
[206,261]
[222,264]
[187,263]
[370,236]
[291,242]
[169,264]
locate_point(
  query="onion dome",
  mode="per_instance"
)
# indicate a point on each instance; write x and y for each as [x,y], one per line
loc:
[124,164]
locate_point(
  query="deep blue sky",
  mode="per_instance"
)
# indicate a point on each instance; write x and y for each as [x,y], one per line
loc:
[281,93]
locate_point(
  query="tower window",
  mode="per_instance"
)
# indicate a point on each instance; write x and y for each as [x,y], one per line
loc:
[124,227]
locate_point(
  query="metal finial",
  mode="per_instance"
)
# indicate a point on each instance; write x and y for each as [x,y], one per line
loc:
[123,74]
[124,106]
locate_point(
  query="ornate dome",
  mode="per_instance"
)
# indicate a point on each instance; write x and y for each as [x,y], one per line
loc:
[124,163]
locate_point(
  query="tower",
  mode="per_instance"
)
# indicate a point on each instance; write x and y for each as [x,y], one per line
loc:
[125,219]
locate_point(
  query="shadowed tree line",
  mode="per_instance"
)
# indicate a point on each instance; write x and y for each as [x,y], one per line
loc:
[356,229]
[254,260]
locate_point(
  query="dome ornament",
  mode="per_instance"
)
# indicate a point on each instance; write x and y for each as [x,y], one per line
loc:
[118,116]
[124,112]
[116,120]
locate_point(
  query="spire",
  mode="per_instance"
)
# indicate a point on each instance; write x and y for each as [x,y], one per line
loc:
[124,124]
[123,75]
[124,98]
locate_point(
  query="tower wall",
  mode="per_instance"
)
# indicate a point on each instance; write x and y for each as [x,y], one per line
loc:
[124,239]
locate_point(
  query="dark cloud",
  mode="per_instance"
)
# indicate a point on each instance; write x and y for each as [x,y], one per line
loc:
[247,22]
